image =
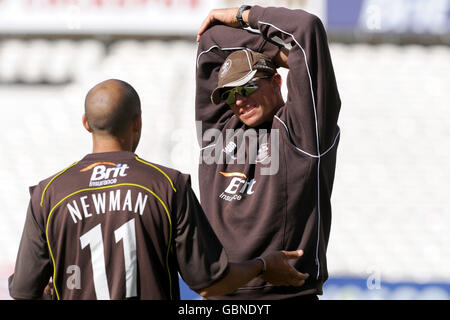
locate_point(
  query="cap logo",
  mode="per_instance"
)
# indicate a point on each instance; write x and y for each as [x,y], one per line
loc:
[225,68]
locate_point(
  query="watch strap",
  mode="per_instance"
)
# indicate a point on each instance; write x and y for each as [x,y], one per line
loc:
[239,15]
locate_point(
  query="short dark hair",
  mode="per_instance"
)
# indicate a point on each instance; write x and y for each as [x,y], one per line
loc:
[111,105]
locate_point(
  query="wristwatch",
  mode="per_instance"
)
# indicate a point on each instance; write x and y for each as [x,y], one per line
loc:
[239,15]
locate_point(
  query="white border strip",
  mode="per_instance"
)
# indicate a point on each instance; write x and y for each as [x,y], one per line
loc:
[303,151]
[208,146]
[309,77]
[216,46]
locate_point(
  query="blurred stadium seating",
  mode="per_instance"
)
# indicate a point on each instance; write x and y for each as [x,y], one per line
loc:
[390,216]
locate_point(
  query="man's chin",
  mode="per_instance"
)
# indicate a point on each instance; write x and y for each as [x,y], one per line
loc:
[251,123]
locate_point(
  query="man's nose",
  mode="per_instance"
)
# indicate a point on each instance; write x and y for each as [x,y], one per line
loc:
[240,99]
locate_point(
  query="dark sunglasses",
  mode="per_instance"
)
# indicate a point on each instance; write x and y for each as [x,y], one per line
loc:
[229,96]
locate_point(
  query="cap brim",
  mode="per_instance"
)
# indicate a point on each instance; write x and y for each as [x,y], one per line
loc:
[215,96]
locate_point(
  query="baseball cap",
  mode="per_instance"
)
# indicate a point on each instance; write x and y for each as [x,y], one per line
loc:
[239,68]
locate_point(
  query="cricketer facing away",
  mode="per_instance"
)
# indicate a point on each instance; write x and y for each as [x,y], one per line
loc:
[278,197]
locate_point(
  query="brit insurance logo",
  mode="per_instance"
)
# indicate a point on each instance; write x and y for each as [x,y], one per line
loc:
[239,186]
[105,173]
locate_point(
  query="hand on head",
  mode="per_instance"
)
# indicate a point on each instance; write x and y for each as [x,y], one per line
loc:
[225,16]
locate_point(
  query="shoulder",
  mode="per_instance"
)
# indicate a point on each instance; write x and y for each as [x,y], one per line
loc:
[171,176]
[39,190]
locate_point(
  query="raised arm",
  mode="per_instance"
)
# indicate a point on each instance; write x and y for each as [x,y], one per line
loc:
[215,44]
[313,104]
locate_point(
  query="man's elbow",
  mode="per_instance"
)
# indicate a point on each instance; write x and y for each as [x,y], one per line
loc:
[219,288]
[313,24]
[210,292]
[204,293]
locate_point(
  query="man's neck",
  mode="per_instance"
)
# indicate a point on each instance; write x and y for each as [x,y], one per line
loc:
[101,144]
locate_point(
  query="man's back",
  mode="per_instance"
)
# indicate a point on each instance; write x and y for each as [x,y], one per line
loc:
[110,222]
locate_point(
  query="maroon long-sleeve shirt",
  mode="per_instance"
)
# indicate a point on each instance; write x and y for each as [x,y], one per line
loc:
[275,196]
[114,226]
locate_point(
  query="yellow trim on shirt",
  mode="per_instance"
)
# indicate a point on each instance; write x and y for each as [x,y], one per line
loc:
[106,187]
[153,166]
[56,176]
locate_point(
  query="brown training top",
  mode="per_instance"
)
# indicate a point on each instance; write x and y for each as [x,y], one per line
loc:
[276,195]
[114,226]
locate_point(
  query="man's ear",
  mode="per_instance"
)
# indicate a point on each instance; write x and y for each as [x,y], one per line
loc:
[85,123]
[278,80]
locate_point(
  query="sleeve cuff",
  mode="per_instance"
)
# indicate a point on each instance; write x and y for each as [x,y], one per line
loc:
[269,48]
[254,16]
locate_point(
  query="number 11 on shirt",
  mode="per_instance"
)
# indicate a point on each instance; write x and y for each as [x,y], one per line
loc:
[93,238]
